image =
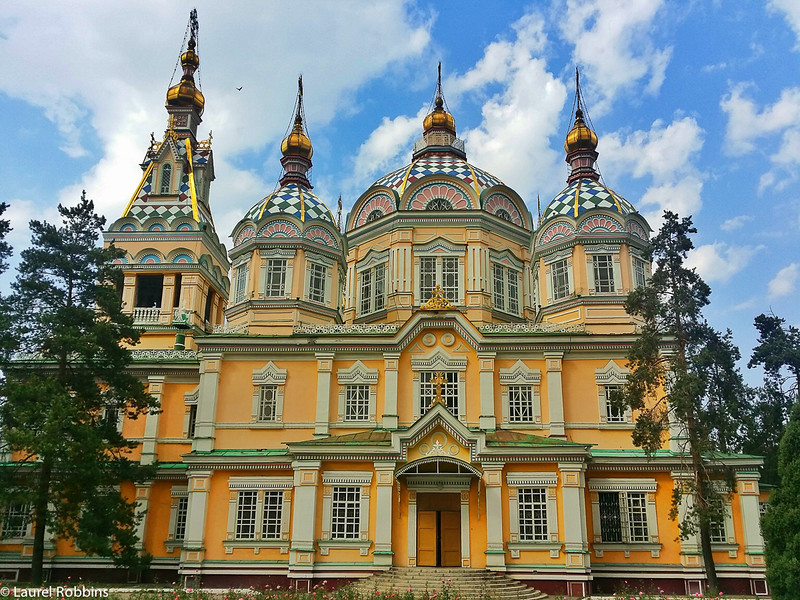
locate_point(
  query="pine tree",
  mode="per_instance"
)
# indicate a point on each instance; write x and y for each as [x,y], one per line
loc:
[683,380]
[781,523]
[65,387]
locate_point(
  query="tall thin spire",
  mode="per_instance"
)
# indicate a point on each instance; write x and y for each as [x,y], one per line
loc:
[296,147]
[581,142]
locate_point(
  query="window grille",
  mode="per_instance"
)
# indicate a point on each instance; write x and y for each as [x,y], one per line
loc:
[560,277]
[520,404]
[356,406]
[449,390]
[275,286]
[316,285]
[246,516]
[532,503]
[603,273]
[268,403]
[180,518]
[345,513]
[272,516]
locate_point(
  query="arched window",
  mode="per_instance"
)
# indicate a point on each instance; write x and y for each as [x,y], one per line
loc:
[439,204]
[166,178]
[374,216]
[503,214]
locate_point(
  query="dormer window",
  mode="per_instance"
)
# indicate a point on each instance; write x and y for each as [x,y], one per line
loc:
[166,179]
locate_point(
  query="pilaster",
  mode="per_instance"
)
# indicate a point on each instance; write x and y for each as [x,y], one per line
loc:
[142,506]
[304,517]
[149,440]
[193,551]
[493,482]
[324,372]
[390,370]
[488,421]
[384,472]
[555,397]
[573,506]
[210,367]
[747,488]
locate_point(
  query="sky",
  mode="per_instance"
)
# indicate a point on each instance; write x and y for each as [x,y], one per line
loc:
[696,105]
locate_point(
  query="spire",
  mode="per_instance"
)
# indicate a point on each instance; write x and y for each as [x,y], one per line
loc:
[440,119]
[186,93]
[581,141]
[296,147]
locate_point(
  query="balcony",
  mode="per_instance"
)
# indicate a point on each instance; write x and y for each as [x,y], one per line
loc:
[148,316]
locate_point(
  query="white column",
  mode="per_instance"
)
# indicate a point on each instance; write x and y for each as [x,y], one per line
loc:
[142,504]
[384,472]
[149,441]
[573,507]
[324,370]
[555,398]
[488,420]
[493,480]
[747,484]
[465,551]
[390,365]
[210,366]
[193,545]
[304,516]
[412,528]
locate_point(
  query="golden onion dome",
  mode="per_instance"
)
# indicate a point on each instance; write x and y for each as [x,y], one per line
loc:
[297,142]
[580,136]
[185,93]
[439,119]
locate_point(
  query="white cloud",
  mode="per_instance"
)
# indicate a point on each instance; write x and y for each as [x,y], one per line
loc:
[746,123]
[735,223]
[118,100]
[720,261]
[784,282]
[613,45]
[791,12]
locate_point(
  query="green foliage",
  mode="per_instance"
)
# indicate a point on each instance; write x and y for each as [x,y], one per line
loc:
[781,523]
[684,380]
[71,370]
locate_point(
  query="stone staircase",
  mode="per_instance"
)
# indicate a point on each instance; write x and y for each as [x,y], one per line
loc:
[468,584]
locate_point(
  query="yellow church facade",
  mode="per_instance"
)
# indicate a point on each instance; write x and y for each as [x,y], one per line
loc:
[422,383]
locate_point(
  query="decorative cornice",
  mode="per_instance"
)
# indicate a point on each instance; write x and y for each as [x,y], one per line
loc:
[531,327]
[345,329]
[164,354]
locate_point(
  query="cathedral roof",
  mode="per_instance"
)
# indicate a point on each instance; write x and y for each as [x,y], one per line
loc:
[585,194]
[292,199]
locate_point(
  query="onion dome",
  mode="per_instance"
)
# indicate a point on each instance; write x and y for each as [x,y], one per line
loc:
[291,199]
[185,93]
[297,142]
[582,195]
[580,136]
[439,119]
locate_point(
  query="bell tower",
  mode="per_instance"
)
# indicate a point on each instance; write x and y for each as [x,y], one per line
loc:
[176,269]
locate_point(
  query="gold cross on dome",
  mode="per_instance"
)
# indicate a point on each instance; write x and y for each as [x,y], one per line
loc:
[438,380]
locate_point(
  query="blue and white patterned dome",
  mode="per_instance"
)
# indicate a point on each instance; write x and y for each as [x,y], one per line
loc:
[438,164]
[292,199]
[582,195]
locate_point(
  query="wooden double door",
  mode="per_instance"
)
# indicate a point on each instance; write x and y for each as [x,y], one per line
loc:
[438,530]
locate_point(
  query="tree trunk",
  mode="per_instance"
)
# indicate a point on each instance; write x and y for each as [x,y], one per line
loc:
[708,558]
[40,522]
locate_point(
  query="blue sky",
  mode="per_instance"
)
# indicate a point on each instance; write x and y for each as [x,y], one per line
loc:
[696,104]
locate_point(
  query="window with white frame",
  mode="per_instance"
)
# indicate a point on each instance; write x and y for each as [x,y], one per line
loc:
[372,291]
[603,267]
[345,510]
[240,275]
[268,393]
[275,278]
[532,511]
[610,380]
[268,403]
[624,512]
[258,512]
[166,179]
[505,288]
[521,405]
[178,517]
[639,272]
[432,383]
[559,279]
[356,403]
[316,283]
[717,530]
[181,513]
[439,270]
[190,400]
[357,393]
[721,527]
[15,520]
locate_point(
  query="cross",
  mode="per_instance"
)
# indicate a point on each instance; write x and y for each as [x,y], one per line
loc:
[438,380]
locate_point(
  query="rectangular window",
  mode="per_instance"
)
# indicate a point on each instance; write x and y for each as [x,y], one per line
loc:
[559,272]
[427,278]
[513,292]
[623,516]
[345,513]
[148,291]
[499,286]
[192,420]
[380,288]
[506,289]
[268,403]
[532,503]
[603,266]
[639,273]
[614,414]
[246,516]
[15,521]
[450,279]
[443,271]
[520,404]
[316,283]
[356,403]
[275,285]
[180,518]
[719,534]
[240,280]
[429,386]
[272,516]
[373,290]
